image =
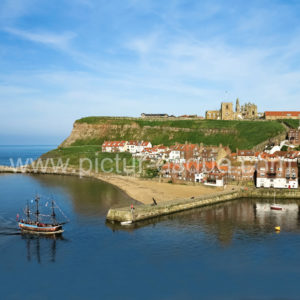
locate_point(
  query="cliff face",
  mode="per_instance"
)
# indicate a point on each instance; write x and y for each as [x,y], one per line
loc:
[83,131]
[236,134]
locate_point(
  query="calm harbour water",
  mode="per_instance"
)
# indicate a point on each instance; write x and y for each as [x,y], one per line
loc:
[227,251]
[22,152]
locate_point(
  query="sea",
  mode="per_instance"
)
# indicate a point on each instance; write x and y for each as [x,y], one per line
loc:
[225,251]
[12,155]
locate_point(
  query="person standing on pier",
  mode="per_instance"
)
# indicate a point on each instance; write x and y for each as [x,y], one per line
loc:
[132,208]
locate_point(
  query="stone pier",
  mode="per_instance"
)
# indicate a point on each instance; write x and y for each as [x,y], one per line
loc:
[143,212]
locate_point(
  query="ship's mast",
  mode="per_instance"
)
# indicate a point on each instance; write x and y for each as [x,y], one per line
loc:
[53,215]
[37,198]
[27,212]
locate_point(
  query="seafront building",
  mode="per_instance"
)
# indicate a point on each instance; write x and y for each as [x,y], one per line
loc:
[208,173]
[215,166]
[277,174]
[125,146]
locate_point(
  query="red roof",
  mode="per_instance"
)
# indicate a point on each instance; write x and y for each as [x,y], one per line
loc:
[282,113]
[133,143]
[184,147]
[145,143]
[114,144]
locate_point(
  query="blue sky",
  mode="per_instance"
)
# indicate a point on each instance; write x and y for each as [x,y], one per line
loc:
[64,59]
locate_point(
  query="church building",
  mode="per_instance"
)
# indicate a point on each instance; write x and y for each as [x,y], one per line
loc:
[227,112]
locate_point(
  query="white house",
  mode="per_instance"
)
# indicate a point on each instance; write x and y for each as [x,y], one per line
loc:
[199,177]
[131,146]
[174,156]
[215,180]
[217,176]
[277,174]
[143,145]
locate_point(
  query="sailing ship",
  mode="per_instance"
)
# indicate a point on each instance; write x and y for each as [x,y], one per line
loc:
[36,225]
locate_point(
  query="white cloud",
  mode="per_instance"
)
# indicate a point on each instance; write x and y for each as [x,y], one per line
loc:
[60,41]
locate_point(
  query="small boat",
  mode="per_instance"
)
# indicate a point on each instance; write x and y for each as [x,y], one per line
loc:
[126,223]
[275,206]
[37,225]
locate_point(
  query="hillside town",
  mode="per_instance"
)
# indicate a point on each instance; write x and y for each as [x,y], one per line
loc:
[275,167]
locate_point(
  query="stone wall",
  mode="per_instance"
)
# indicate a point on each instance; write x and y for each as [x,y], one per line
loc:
[144,212]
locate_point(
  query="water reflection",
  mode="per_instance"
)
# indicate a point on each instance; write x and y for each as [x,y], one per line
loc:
[88,196]
[288,217]
[40,247]
[224,221]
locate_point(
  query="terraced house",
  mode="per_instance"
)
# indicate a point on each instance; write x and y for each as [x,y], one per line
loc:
[114,146]
[280,174]
[125,146]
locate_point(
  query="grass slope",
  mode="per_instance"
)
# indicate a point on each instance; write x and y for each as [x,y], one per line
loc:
[91,156]
[235,134]
[291,123]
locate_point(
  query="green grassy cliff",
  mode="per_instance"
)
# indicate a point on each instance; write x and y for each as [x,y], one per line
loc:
[235,134]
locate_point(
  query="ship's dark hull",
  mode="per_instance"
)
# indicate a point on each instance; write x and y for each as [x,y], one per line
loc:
[40,228]
[275,207]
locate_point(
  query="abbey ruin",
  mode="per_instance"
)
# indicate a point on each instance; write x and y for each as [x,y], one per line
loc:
[227,112]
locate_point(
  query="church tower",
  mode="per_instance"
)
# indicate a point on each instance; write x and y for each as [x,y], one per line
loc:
[237,107]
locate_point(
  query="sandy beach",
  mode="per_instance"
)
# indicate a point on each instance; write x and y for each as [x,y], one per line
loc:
[139,189]
[144,190]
